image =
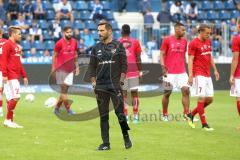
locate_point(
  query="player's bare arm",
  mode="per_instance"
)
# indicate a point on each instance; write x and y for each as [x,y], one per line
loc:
[77,71]
[190,69]
[233,67]
[217,77]
[53,60]
[139,63]
[162,54]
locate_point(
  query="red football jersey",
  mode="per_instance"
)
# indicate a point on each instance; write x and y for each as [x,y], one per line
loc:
[202,52]
[2,42]
[133,48]
[236,48]
[65,54]
[175,50]
[11,61]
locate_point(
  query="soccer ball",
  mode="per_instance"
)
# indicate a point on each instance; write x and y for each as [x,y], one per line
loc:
[50,102]
[29,97]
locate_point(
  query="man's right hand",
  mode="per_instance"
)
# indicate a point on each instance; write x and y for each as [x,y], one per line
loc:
[5,79]
[164,71]
[190,80]
[231,80]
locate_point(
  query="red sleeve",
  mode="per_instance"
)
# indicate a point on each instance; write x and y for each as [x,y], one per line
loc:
[23,72]
[164,46]
[191,49]
[235,45]
[57,47]
[5,53]
[138,48]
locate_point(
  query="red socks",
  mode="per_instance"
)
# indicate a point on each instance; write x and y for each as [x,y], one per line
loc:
[10,108]
[200,110]
[135,105]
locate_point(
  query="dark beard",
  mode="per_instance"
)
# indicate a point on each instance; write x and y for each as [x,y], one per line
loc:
[68,37]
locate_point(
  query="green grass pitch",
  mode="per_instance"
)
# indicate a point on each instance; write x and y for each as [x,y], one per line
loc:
[45,137]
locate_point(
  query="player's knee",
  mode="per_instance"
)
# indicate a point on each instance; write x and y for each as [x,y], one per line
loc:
[167,94]
[185,91]
[209,100]
[16,99]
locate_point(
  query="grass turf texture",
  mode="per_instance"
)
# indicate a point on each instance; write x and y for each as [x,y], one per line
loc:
[46,137]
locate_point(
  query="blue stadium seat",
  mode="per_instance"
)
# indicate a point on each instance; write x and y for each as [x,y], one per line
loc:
[229,5]
[223,15]
[65,23]
[85,15]
[134,33]
[90,4]
[48,5]
[116,35]
[212,15]
[235,14]
[106,5]
[218,5]
[46,35]
[109,15]
[49,45]
[90,25]
[38,45]
[114,25]
[76,15]
[78,24]
[80,5]
[26,45]
[169,3]
[206,5]
[43,24]
[201,15]
[27,54]
[50,15]
[95,35]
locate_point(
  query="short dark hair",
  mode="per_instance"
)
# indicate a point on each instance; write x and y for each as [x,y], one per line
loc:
[13,29]
[66,28]
[203,26]
[107,25]
[178,24]
[126,30]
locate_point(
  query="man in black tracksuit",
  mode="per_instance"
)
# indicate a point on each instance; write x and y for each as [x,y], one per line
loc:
[107,70]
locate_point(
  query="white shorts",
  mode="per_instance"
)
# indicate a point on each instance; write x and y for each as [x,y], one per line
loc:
[131,84]
[1,79]
[12,89]
[202,87]
[64,78]
[235,88]
[173,81]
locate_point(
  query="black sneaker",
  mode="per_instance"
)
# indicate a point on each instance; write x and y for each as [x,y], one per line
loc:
[207,128]
[104,147]
[190,120]
[127,142]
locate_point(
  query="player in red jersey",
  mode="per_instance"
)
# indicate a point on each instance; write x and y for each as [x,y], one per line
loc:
[172,59]
[199,64]
[2,41]
[64,62]
[12,70]
[133,52]
[235,68]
